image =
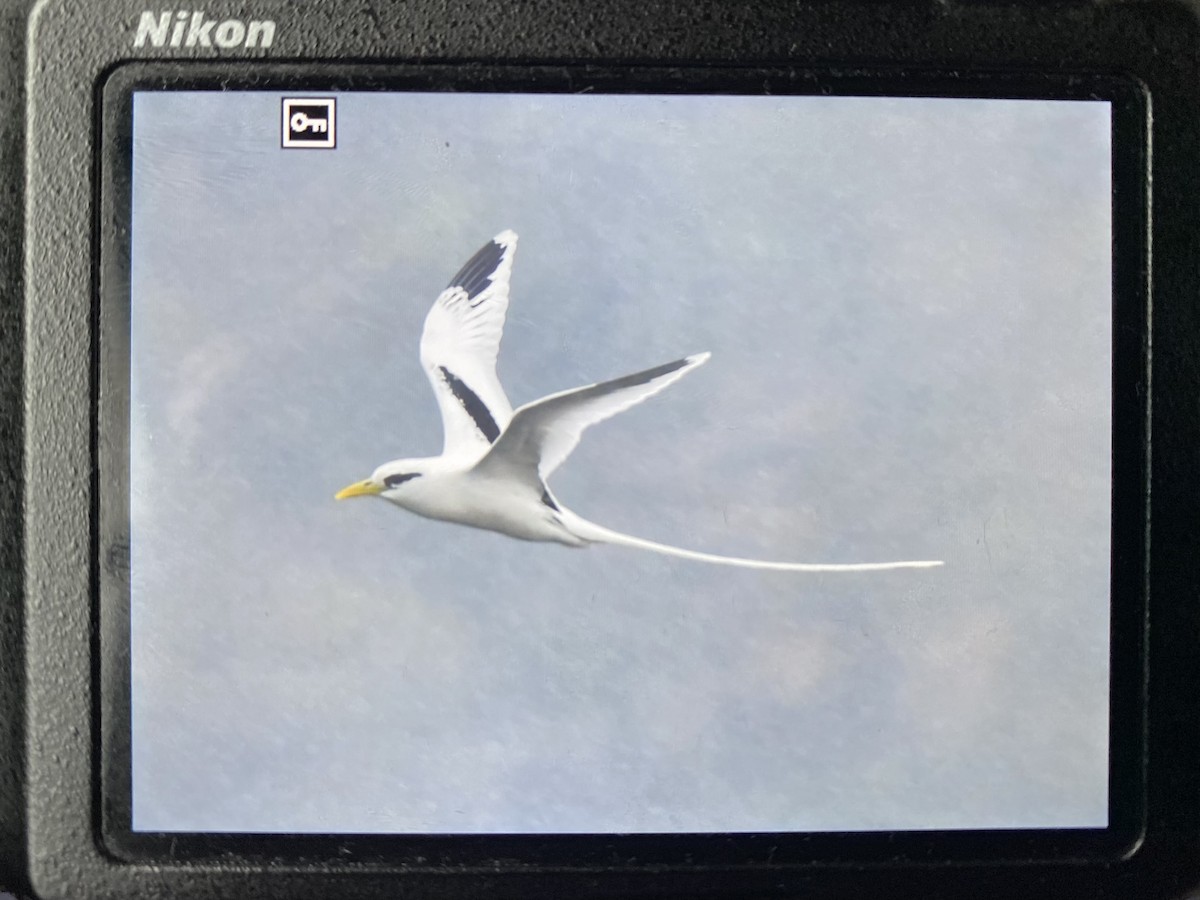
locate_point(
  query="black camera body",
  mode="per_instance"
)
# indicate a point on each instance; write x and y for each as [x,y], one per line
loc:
[76,75]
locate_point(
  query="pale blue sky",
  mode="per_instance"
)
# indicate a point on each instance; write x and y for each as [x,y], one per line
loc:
[907,302]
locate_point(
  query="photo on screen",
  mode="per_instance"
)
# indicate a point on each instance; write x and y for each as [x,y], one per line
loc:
[825,331]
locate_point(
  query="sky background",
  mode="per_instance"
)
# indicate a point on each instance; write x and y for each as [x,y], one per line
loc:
[908,306]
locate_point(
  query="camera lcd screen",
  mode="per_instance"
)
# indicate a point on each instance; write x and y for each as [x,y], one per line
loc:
[828,330]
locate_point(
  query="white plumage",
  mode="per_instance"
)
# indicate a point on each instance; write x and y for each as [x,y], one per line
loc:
[494,464]
[462,337]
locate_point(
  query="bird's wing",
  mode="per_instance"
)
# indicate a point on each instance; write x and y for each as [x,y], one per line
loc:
[542,434]
[459,346]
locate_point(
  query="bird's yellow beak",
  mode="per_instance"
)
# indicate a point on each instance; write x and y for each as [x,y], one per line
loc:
[359,489]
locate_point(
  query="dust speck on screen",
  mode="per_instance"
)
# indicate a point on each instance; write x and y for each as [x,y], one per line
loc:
[719,463]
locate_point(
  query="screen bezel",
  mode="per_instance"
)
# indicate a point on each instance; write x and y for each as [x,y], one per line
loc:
[1130,512]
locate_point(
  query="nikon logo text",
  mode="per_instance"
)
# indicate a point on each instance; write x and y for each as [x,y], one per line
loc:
[186,28]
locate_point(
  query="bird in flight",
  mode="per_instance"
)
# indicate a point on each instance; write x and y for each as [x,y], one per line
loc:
[495,460]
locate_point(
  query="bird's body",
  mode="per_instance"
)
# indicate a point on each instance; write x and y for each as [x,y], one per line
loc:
[495,461]
[468,497]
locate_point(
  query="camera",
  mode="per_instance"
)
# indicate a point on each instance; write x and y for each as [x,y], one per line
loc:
[518,450]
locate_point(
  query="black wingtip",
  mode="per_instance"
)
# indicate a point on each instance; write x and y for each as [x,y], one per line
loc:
[649,375]
[475,277]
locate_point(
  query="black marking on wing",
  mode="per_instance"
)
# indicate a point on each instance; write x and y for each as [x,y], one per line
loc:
[472,404]
[473,277]
[393,480]
[549,501]
[642,377]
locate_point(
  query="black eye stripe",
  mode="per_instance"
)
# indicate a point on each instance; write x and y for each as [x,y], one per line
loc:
[393,480]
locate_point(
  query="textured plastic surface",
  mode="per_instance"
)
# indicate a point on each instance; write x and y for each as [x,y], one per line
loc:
[72,42]
[12,673]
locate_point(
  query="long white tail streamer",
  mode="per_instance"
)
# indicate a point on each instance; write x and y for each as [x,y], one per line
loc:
[590,531]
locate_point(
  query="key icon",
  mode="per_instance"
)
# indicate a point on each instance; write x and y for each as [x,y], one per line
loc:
[309,122]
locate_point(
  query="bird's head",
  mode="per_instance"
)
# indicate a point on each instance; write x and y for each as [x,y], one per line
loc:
[390,481]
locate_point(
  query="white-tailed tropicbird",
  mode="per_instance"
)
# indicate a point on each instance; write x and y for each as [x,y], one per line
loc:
[494,464]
